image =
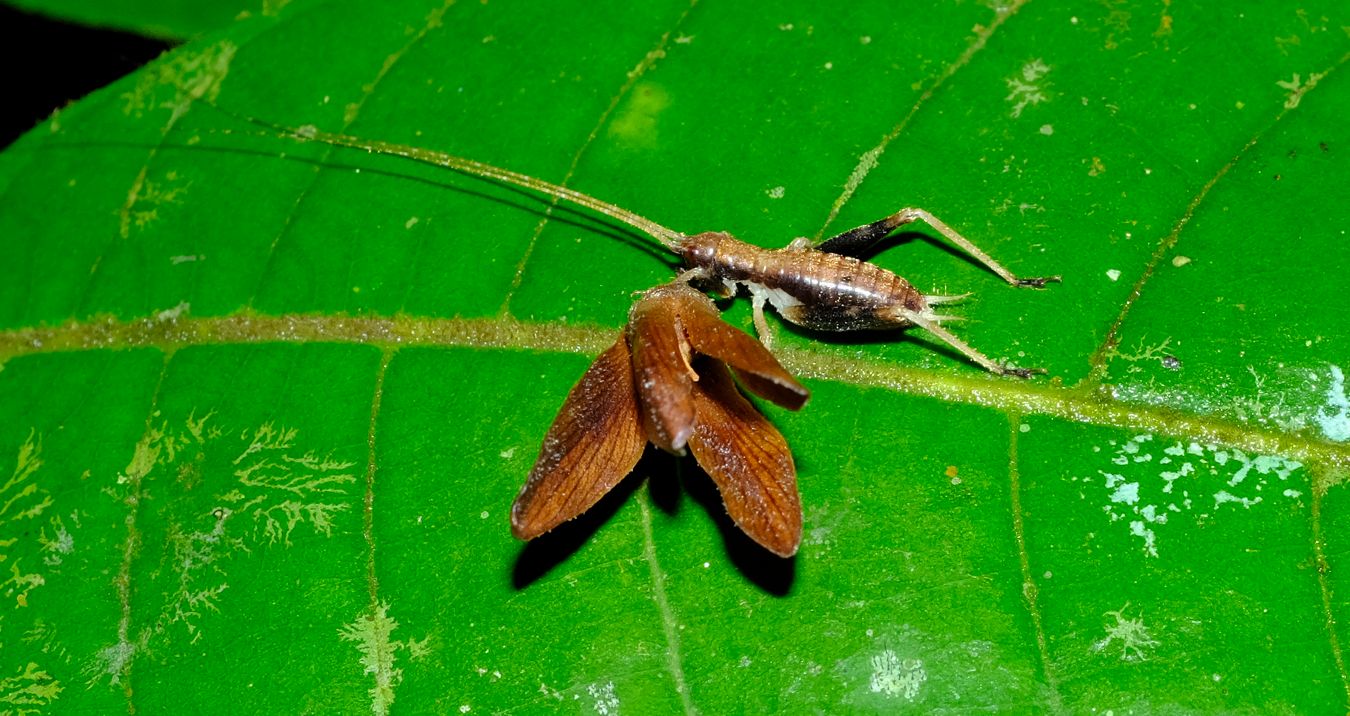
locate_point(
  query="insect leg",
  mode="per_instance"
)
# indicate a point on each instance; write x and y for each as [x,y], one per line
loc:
[761,325]
[929,324]
[857,240]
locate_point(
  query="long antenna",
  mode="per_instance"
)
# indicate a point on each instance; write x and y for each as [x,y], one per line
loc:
[668,238]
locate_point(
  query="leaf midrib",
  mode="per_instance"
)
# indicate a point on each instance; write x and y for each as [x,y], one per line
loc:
[1088,405]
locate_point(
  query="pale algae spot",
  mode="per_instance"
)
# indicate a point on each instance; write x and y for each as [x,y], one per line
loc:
[24,503]
[29,691]
[1133,636]
[1286,398]
[153,195]
[1028,87]
[1297,87]
[281,487]
[178,80]
[263,486]
[371,633]
[636,125]
[171,84]
[1153,483]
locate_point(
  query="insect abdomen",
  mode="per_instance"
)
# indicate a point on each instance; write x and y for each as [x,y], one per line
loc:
[811,288]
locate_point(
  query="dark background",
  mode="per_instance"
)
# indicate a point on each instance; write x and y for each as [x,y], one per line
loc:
[49,64]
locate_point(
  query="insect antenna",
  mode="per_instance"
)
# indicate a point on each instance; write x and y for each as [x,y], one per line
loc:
[669,238]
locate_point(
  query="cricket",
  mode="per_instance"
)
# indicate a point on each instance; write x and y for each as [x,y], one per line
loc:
[668,379]
[818,286]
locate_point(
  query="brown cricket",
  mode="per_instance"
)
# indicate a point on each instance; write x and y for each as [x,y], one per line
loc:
[821,286]
[666,380]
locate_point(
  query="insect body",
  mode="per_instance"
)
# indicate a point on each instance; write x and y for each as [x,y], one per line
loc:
[818,286]
[823,288]
[668,381]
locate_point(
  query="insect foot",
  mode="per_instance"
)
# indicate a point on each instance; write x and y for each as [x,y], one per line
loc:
[1039,282]
[668,381]
[1022,372]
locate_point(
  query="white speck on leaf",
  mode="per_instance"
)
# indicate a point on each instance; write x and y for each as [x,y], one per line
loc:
[1334,420]
[1146,498]
[604,701]
[893,676]
[1133,635]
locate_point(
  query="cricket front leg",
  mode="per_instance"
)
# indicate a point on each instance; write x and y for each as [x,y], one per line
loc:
[855,241]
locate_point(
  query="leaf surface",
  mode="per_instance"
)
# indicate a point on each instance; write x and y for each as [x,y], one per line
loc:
[264,404]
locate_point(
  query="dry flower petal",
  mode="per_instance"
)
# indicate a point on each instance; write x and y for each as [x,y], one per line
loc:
[594,443]
[749,461]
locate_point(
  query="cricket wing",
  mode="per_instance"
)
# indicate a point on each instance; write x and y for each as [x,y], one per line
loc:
[661,370]
[755,366]
[593,444]
[749,461]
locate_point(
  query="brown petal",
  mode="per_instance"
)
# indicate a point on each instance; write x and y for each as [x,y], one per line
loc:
[755,366]
[594,442]
[749,461]
[661,371]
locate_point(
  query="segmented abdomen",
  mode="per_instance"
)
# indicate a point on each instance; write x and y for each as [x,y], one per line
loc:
[831,292]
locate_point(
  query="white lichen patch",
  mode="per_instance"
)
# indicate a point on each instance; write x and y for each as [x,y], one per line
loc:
[371,632]
[30,691]
[23,502]
[1153,483]
[56,541]
[1290,398]
[112,661]
[896,677]
[603,699]
[1028,86]
[1334,418]
[1135,639]
[197,558]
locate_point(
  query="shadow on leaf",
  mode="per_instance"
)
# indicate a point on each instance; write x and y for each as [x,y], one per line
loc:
[761,567]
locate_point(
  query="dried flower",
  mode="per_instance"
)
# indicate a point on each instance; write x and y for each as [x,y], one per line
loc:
[666,381]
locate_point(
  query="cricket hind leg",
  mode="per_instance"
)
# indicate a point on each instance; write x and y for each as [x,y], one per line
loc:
[855,241]
[930,322]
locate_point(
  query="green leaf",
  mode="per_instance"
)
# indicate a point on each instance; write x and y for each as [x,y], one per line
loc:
[166,19]
[264,404]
